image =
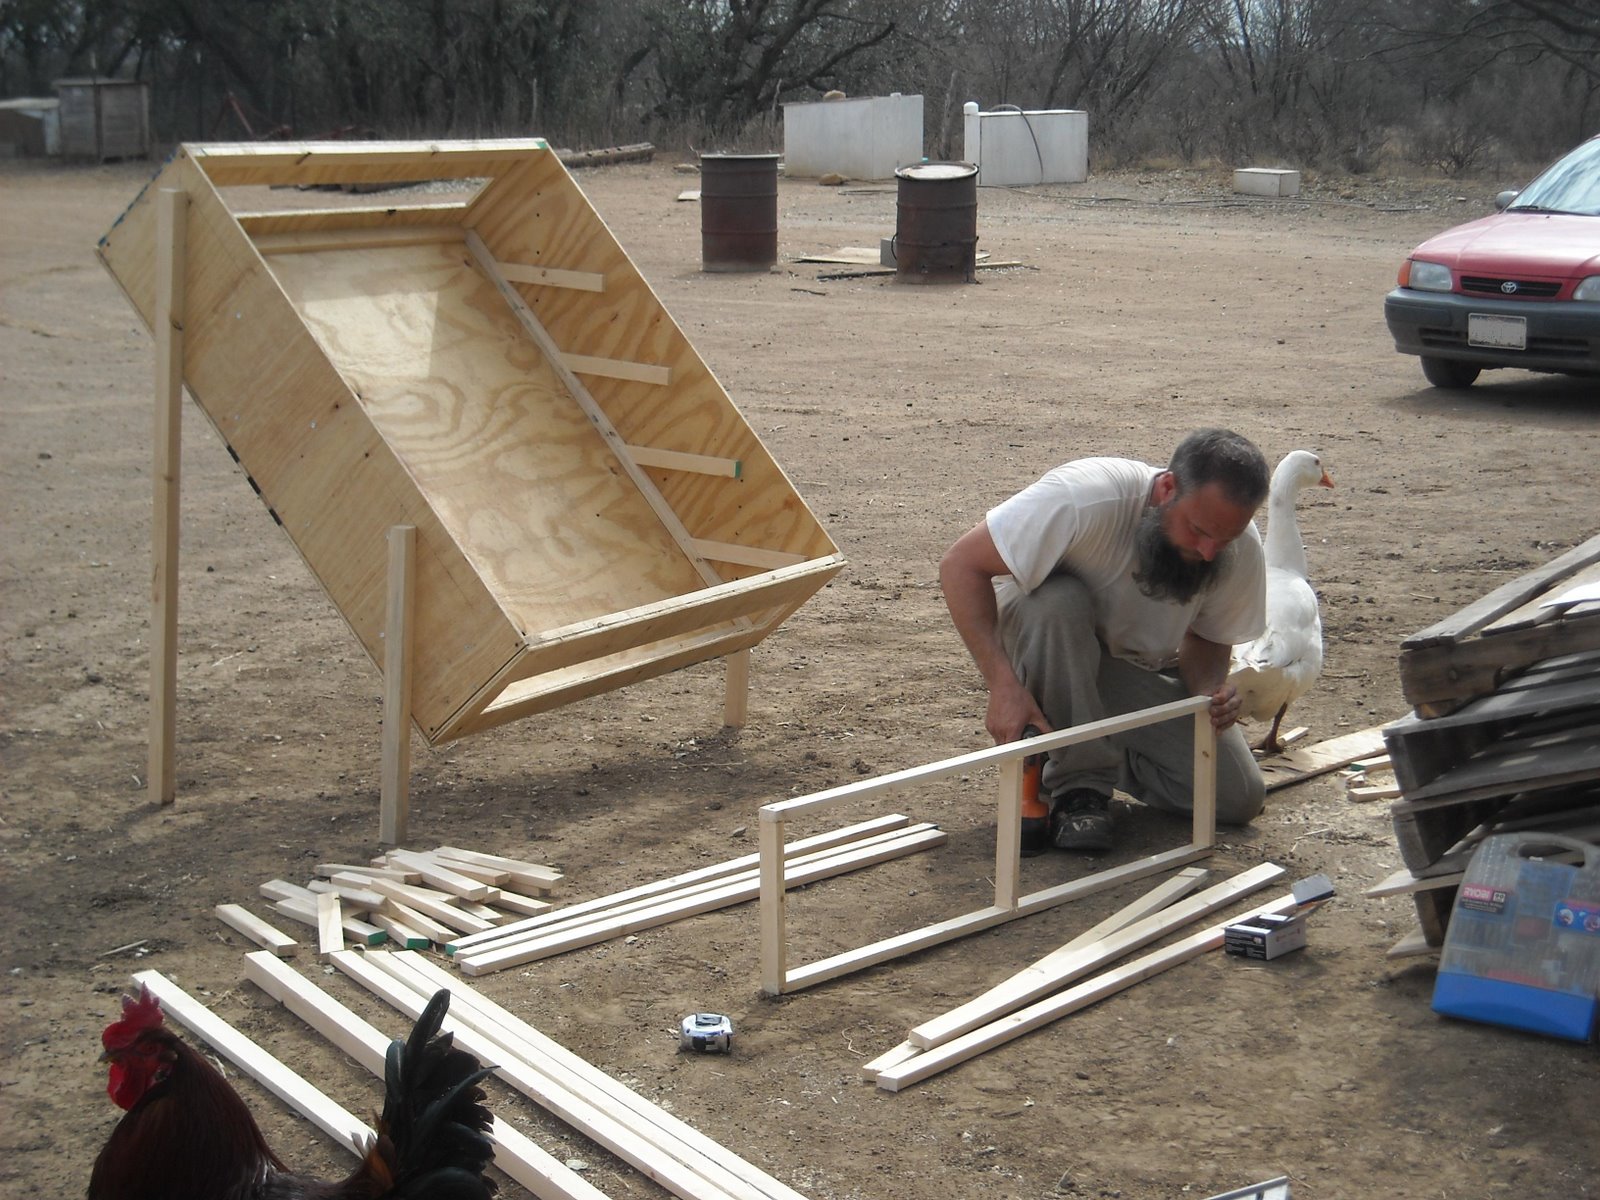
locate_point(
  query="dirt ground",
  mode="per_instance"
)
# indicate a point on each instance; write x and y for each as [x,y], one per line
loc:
[1148,304]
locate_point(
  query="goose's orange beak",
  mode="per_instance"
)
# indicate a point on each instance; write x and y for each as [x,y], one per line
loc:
[1326,480]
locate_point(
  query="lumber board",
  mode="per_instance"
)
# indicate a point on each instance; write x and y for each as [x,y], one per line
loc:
[564,921]
[330,935]
[493,876]
[587,281]
[309,164]
[1450,674]
[1549,605]
[359,238]
[167,324]
[261,223]
[439,875]
[1514,764]
[1060,967]
[304,911]
[295,1091]
[1052,1008]
[399,932]
[536,877]
[679,460]
[927,772]
[747,556]
[535,1169]
[1152,901]
[574,1106]
[356,897]
[366,871]
[660,1125]
[980,919]
[1296,766]
[613,368]
[266,936]
[399,644]
[821,841]
[838,862]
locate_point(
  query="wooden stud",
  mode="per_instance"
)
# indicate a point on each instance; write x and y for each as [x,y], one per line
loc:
[574,1105]
[773,893]
[722,870]
[496,957]
[305,912]
[355,897]
[258,931]
[1079,957]
[616,368]
[539,1172]
[439,874]
[255,1062]
[745,556]
[330,937]
[654,1123]
[535,876]
[401,934]
[317,241]
[394,803]
[1205,780]
[978,920]
[583,281]
[1052,1008]
[678,460]
[166,472]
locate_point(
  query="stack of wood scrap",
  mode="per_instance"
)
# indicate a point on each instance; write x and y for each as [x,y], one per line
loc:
[413,898]
[1505,734]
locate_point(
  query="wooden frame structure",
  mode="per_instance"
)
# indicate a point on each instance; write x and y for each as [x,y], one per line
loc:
[776,975]
[501,457]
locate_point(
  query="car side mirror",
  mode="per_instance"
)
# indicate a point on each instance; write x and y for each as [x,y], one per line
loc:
[1504,199]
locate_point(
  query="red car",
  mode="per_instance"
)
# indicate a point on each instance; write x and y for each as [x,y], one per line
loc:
[1520,288]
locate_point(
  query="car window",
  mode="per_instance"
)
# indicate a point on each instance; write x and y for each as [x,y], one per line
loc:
[1571,185]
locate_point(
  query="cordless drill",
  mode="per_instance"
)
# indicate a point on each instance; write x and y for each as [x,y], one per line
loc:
[1035,811]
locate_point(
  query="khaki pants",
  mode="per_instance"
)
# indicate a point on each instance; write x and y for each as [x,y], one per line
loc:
[1050,637]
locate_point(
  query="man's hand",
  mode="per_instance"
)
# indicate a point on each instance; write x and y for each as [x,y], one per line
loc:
[1011,710]
[1224,707]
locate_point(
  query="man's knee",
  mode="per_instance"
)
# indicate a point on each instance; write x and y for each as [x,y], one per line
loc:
[1241,791]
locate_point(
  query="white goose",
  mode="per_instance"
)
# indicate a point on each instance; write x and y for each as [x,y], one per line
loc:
[1281,665]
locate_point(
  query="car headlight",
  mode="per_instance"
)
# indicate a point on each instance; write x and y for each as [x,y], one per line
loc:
[1589,289]
[1426,276]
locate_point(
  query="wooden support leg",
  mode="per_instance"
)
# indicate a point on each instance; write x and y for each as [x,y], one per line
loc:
[736,701]
[1205,780]
[394,804]
[167,324]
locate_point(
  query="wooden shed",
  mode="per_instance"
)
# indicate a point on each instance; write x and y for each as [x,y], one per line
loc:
[104,118]
[590,508]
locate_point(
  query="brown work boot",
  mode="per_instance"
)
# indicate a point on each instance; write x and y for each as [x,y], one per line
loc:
[1081,820]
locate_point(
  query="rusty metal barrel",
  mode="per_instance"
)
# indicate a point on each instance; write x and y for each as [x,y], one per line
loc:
[936,225]
[738,212]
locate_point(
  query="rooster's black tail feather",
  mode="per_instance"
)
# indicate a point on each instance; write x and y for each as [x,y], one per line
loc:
[434,1115]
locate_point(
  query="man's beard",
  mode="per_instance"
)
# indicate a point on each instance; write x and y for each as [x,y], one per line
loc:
[1162,572]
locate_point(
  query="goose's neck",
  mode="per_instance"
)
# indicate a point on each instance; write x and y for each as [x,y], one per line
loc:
[1283,545]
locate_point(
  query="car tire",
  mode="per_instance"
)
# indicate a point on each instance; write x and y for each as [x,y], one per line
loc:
[1447,373]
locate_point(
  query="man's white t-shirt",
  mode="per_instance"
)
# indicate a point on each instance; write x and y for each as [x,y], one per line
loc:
[1082,518]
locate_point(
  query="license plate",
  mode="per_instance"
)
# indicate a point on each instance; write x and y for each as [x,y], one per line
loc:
[1497,333]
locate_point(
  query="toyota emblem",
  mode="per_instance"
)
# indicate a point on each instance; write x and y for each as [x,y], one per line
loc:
[1509,286]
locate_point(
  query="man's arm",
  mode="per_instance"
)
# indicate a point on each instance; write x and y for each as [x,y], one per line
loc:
[966,574]
[1203,667]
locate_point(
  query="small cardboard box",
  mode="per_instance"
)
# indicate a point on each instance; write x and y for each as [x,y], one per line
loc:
[1265,937]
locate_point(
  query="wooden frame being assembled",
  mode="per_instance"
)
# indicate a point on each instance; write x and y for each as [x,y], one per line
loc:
[776,975]
[516,479]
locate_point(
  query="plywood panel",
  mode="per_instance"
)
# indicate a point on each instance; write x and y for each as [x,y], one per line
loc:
[320,467]
[537,216]
[524,483]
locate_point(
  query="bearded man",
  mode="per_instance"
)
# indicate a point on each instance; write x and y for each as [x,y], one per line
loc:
[1109,586]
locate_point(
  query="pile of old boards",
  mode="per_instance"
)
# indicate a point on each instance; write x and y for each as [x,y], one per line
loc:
[1505,733]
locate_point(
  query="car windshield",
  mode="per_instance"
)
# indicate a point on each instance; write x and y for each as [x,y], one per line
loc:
[1572,185]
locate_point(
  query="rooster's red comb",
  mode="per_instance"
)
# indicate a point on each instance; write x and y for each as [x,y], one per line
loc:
[139,1013]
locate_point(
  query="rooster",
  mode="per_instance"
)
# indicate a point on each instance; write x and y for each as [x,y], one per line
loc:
[187,1135]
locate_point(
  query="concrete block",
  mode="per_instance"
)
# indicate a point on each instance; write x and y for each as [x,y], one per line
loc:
[1266,181]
